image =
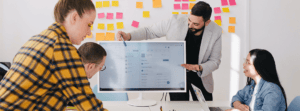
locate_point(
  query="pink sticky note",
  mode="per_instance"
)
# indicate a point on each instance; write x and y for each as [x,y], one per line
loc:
[119,15]
[177,7]
[185,0]
[110,16]
[232,2]
[135,24]
[177,0]
[100,15]
[224,2]
[185,6]
[218,18]
[217,10]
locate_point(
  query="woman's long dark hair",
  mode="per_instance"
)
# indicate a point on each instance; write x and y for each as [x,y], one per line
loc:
[264,64]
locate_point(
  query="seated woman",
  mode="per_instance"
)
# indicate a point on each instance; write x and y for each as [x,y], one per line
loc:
[263,91]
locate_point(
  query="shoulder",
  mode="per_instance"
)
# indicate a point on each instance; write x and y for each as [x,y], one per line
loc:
[271,88]
[213,27]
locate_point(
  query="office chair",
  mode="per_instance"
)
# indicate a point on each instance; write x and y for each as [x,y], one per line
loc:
[295,104]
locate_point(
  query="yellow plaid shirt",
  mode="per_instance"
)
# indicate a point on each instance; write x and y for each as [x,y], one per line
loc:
[46,74]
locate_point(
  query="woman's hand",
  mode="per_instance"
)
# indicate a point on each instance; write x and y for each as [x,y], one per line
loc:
[240,106]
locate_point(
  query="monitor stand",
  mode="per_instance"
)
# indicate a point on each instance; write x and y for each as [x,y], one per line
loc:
[141,102]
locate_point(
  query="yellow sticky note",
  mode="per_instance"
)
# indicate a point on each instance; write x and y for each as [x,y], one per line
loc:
[226,9]
[120,25]
[110,27]
[115,3]
[100,36]
[99,4]
[192,0]
[175,12]
[146,14]
[231,29]
[92,27]
[232,20]
[110,36]
[89,36]
[184,12]
[219,22]
[191,5]
[139,4]
[105,3]
[101,26]
[156,3]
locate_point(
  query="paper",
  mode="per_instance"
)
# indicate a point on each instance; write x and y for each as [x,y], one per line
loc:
[99,4]
[217,10]
[192,5]
[232,2]
[89,36]
[184,12]
[226,9]
[185,0]
[110,27]
[224,2]
[231,29]
[185,6]
[105,3]
[175,12]
[110,36]
[177,7]
[100,36]
[232,20]
[115,3]
[101,26]
[146,14]
[218,18]
[219,22]
[110,16]
[101,15]
[177,0]
[135,24]
[192,0]
[156,3]
[119,15]
[120,25]
[139,4]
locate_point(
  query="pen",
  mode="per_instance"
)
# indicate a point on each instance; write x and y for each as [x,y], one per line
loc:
[123,40]
[161,108]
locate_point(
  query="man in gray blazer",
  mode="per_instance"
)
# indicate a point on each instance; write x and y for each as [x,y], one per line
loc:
[203,46]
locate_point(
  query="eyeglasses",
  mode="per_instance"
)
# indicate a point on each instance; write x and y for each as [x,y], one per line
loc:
[103,68]
[246,62]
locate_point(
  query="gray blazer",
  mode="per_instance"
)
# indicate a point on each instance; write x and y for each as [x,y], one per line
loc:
[175,29]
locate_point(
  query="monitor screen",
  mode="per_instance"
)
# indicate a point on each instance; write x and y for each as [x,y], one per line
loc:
[143,66]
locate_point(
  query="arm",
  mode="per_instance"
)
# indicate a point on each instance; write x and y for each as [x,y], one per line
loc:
[272,101]
[238,97]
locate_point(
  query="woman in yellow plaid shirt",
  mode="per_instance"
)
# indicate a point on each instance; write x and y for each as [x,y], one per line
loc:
[47,72]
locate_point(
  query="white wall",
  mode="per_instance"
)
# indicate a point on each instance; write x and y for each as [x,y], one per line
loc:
[274,25]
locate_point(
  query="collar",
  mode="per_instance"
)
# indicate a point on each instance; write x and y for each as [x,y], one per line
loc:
[260,84]
[59,28]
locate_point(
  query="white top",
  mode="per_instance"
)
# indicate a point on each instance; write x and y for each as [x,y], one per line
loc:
[254,96]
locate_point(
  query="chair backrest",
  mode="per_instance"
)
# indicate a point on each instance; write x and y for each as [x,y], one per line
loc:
[110,96]
[295,104]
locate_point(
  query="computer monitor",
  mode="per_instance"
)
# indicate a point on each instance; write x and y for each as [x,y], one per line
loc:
[145,66]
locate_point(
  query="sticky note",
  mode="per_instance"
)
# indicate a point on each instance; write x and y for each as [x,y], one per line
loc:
[192,5]
[110,27]
[135,24]
[101,26]
[146,14]
[105,3]
[177,0]
[89,36]
[100,36]
[110,36]
[120,25]
[101,15]
[217,10]
[119,15]
[192,0]
[232,2]
[99,4]
[232,20]
[231,29]
[115,3]
[177,7]
[185,0]
[218,18]
[175,12]
[139,4]
[110,16]
[156,3]
[219,22]
[92,27]
[185,6]
[184,12]
[226,9]
[224,2]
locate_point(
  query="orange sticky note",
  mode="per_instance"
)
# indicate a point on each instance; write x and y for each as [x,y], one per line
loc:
[101,26]
[184,12]
[226,9]
[146,14]
[105,3]
[89,36]
[231,29]
[219,22]
[110,36]
[115,3]
[156,3]
[139,4]
[120,25]
[99,4]
[232,20]
[100,36]
[192,0]
[110,27]
[175,13]
[191,5]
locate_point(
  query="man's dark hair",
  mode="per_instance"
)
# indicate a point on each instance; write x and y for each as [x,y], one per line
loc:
[91,52]
[202,9]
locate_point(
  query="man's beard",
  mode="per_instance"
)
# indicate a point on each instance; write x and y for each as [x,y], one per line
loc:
[196,30]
